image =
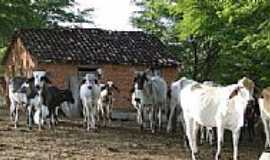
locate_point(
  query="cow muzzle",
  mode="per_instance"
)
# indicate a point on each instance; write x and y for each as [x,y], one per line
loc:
[37,87]
[89,87]
[251,102]
[138,100]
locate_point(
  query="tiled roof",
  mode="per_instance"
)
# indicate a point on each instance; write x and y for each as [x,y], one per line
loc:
[94,46]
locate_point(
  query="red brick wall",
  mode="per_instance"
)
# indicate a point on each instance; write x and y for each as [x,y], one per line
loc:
[59,73]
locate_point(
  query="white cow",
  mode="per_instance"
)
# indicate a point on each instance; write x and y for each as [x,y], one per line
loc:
[221,107]
[89,95]
[264,103]
[175,91]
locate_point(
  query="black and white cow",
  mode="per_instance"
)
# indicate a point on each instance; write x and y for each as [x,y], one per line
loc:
[150,91]
[50,96]
[22,94]
[17,97]
[105,102]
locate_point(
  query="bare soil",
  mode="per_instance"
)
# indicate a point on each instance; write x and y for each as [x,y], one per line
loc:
[122,140]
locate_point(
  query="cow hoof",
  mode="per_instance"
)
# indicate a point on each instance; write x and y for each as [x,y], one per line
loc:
[217,157]
[141,128]
[196,156]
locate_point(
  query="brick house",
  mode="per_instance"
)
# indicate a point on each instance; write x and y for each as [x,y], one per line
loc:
[67,54]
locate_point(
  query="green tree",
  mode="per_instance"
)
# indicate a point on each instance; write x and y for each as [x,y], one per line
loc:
[16,14]
[230,37]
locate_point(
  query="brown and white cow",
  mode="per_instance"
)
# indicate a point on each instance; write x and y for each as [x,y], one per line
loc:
[221,107]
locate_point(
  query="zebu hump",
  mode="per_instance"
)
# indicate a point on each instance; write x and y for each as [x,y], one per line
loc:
[248,84]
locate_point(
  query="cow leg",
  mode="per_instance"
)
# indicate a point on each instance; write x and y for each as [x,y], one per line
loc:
[105,115]
[53,118]
[236,135]
[16,116]
[40,123]
[12,111]
[29,108]
[251,130]
[266,130]
[110,113]
[194,139]
[99,112]
[84,115]
[56,114]
[202,134]
[102,114]
[87,117]
[220,132]
[210,135]
[172,111]
[108,117]
[151,118]
[191,135]
[93,118]
[183,129]
[159,117]
[140,116]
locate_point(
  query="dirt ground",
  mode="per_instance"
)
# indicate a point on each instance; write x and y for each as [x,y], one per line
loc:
[122,140]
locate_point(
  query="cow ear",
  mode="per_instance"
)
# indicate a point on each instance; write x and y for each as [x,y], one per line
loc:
[135,79]
[47,80]
[83,81]
[30,80]
[145,77]
[116,88]
[103,87]
[96,81]
[132,90]
[234,92]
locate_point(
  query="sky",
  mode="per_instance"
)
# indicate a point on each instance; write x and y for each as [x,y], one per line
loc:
[110,14]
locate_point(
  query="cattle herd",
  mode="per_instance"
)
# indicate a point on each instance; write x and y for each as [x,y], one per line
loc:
[203,106]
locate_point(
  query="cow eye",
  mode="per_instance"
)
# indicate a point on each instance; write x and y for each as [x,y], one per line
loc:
[43,78]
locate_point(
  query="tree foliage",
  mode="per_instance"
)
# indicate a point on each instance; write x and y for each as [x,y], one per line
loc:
[16,14]
[231,37]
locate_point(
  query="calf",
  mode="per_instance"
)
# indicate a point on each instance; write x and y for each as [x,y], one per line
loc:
[105,102]
[221,107]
